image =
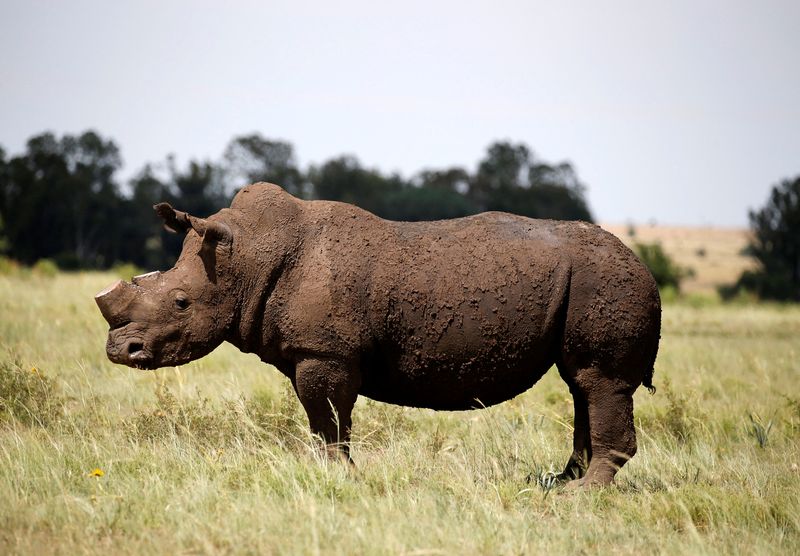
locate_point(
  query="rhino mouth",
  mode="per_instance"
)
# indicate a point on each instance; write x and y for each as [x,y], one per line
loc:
[137,356]
[136,350]
[132,353]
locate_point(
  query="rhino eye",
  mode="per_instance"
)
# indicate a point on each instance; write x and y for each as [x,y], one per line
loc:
[181,302]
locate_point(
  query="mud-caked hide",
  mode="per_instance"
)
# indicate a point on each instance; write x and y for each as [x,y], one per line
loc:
[448,315]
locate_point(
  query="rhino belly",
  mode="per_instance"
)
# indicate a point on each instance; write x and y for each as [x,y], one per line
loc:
[467,377]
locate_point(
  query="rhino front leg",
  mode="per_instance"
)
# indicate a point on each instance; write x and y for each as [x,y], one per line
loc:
[328,389]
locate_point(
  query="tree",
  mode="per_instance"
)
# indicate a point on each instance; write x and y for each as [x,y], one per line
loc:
[414,203]
[95,200]
[511,179]
[502,171]
[146,243]
[432,195]
[252,158]
[775,244]
[452,179]
[344,179]
[3,188]
[60,200]
[199,189]
[556,192]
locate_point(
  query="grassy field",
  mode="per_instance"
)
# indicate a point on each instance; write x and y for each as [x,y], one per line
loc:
[213,457]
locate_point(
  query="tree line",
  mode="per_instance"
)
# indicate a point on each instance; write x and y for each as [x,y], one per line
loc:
[61,199]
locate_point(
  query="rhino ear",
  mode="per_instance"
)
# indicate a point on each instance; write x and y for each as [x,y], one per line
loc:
[213,232]
[175,221]
[181,222]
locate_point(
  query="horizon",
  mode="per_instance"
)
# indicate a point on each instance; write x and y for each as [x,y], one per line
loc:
[652,106]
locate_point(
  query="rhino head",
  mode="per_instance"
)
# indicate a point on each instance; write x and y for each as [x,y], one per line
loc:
[170,318]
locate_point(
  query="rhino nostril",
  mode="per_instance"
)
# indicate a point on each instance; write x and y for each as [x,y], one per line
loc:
[134,348]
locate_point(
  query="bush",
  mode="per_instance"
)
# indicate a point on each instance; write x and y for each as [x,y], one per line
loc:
[8,266]
[27,396]
[126,271]
[676,419]
[664,270]
[45,267]
[69,261]
[759,284]
[195,419]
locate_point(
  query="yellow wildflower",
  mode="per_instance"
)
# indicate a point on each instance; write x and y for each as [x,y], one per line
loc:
[97,472]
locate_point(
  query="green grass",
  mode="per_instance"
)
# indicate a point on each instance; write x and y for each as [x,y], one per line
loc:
[214,457]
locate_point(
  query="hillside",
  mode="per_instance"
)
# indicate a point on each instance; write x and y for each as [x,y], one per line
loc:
[714,254]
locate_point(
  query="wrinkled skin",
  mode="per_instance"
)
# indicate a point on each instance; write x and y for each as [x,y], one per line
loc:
[170,318]
[448,315]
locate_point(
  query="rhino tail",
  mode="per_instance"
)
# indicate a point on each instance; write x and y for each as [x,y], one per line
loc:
[647,380]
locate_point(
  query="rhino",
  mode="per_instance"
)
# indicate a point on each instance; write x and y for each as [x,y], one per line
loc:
[450,315]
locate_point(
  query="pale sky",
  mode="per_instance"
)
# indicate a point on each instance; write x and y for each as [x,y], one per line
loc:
[678,112]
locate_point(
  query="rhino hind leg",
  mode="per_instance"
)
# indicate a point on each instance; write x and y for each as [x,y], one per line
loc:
[612,436]
[581,455]
[327,390]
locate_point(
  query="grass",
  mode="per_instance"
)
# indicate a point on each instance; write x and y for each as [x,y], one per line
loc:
[214,457]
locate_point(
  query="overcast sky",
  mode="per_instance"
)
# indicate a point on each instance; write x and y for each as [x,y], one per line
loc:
[682,113]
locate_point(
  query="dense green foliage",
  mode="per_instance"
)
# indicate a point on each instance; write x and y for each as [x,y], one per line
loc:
[775,245]
[61,199]
[666,272]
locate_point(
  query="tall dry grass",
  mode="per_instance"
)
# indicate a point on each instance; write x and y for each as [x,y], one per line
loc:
[214,457]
